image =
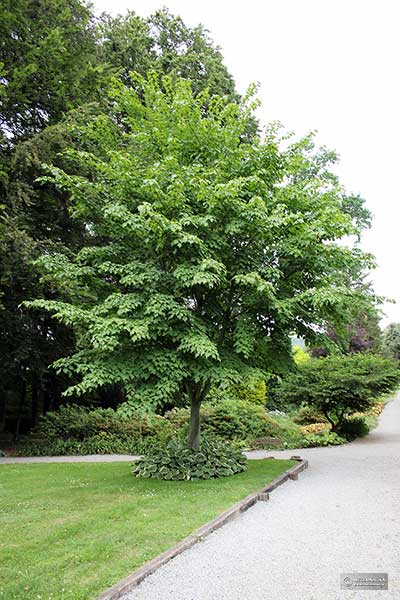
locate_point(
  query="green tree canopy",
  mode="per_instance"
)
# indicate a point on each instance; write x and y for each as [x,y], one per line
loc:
[48,60]
[339,386]
[56,61]
[164,43]
[391,341]
[361,334]
[206,252]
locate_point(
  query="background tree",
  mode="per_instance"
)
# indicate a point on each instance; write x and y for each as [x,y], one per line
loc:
[338,386]
[57,60]
[391,341]
[208,252]
[164,43]
[48,57]
[49,65]
[361,334]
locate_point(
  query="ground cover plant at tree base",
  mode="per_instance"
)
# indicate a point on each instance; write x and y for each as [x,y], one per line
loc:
[207,249]
[175,461]
[69,531]
[339,386]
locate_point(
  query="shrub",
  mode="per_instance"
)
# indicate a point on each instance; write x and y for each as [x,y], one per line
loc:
[307,415]
[339,386]
[255,392]
[314,428]
[101,443]
[289,432]
[353,428]
[176,461]
[78,430]
[229,419]
[79,423]
[300,355]
[326,438]
[238,420]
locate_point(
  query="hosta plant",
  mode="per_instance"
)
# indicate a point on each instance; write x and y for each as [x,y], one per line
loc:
[326,438]
[176,461]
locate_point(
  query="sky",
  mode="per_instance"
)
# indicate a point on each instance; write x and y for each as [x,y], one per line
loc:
[330,66]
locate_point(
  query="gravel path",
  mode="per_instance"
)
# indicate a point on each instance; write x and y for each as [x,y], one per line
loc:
[342,515]
[13,460]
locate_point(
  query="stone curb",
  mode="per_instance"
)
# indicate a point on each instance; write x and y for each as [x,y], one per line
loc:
[128,583]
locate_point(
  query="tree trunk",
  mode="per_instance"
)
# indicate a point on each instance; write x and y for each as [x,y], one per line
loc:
[35,400]
[20,409]
[331,422]
[3,409]
[194,427]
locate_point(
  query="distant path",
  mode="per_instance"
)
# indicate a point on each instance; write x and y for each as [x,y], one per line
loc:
[342,515]
[69,459]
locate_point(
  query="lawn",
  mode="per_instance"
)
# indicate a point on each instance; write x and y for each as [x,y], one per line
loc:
[70,530]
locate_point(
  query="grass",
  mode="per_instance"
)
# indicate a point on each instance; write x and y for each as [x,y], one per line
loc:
[70,530]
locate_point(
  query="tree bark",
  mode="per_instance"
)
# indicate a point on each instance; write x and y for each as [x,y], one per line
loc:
[35,399]
[332,423]
[20,409]
[194,427]
[3,410]
[196,393]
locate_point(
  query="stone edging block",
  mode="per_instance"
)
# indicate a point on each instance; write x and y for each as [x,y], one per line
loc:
[128,583]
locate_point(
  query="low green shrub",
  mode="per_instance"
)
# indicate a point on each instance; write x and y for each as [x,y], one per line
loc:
[238,419]
[101,443]
[76,422]
[339,386]
[178,462]
[353,427]
[229,419]
[289,432]
[254,392]
[307,415]
[300,355]
[325,438]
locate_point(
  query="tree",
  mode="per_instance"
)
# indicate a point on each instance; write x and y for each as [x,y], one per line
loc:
[48,67]
[165,44]
[338,386]
[361,334]
[391,341]
[56,60]
[48,58]
[365,333]
[207,252]
[35,219]
[189,53]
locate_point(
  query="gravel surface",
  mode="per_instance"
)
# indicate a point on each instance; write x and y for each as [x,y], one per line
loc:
[13,460]
[342,515]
